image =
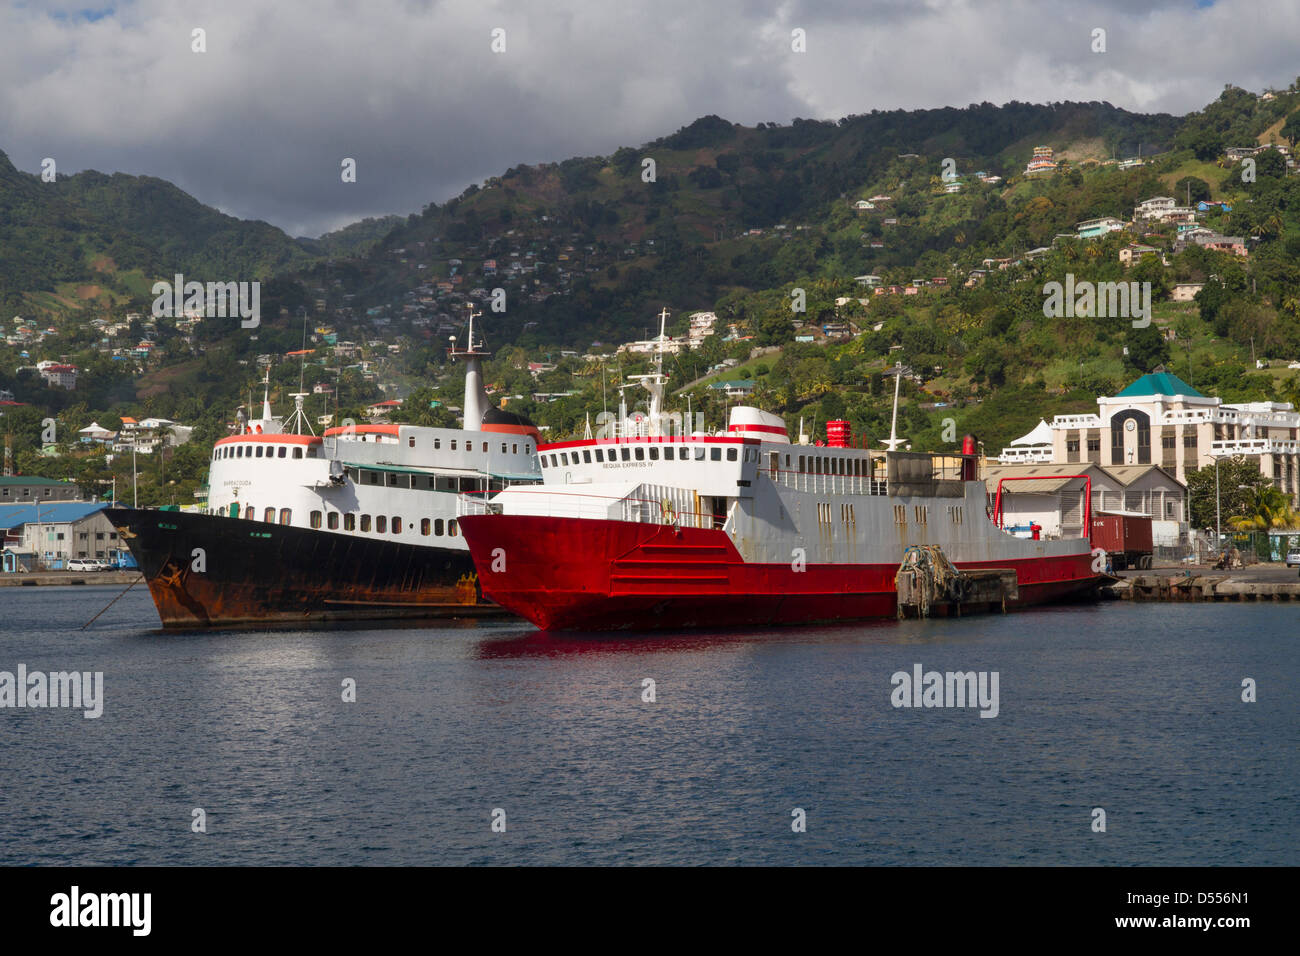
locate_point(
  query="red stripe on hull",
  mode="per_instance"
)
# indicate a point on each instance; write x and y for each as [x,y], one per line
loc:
[585,574]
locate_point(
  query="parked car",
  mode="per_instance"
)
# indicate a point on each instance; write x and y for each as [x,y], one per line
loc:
[87,564]
[1293,559]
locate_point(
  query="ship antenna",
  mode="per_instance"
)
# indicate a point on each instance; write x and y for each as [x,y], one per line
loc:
[894,441]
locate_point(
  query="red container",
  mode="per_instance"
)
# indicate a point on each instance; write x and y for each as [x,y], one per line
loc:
[1125,538]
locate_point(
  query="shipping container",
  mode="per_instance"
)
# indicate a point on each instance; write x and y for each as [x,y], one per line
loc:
[1126,539]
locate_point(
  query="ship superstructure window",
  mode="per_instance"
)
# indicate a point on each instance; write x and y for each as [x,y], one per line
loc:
[731,454]
[514,449]
[410,442]
[485,447]
[283,452]
[437,527]
[269,515]
[381,524]
[503,448]
[699,452]
[258,452]
[286,516]
[248,513]
[332,520]
[654,453]
[586,458]
[425,525]
[668,452]
[437,443]
[451,527]
[365,522]
[239,451]
[350,522]
[715,454]
[639,453]
[397,525]
[564,458]
[453,444]
[315,519]
[297,453]
[600,455]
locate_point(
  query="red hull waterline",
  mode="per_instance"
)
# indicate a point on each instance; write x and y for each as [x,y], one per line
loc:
[585,574]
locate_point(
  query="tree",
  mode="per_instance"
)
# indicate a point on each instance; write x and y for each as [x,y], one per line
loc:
[1198,188]
[1264,509]
[1233,499]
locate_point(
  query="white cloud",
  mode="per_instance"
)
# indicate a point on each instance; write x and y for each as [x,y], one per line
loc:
[258,124]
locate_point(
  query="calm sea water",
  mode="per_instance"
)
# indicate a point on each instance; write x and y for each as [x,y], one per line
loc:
[1132,708]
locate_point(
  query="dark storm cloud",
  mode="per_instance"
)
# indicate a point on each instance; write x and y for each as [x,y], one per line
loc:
[259,124]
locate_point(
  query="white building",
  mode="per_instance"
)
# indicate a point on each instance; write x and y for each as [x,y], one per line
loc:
[1161,420]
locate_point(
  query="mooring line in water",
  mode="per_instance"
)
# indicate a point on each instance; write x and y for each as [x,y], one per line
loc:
[112,602]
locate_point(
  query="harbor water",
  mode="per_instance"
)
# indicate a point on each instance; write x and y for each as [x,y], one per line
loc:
[490,743]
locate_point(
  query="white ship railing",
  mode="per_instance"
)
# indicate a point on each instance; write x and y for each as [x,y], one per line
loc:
[829,484]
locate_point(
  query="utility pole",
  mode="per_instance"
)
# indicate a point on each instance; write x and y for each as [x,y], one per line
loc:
[1218,525]
[135,488]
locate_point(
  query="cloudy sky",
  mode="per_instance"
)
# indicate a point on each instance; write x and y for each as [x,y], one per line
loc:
[258,125]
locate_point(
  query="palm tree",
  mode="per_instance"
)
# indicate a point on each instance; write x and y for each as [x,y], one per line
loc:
[1266,508]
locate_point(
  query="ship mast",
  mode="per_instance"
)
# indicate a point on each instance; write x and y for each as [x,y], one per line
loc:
[654,382]
[893,441]
[476,401]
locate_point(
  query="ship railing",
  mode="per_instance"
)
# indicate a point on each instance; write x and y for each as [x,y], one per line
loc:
[476,503]
[822,484]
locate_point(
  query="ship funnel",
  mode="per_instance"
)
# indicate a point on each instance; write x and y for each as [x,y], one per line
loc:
[749,422]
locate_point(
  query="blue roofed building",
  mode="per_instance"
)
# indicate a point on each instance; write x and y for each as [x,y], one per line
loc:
[56,532]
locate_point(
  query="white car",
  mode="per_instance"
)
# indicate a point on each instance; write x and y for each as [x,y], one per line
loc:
[1293,559]
[87,564]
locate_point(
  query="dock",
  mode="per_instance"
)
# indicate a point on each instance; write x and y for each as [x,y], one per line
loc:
[31,579]
[1261,583]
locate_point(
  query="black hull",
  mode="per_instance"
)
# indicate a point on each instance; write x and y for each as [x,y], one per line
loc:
[253,573]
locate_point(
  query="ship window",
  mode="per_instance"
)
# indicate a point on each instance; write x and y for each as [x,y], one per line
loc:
[668,453]
[451,527]
[248,513]
[269,515]
[365,522]
[503,448]
[514,449]
[555,461]
[258,453]
[699,452]
[564,458]
[397,524]
[437,443]
[350,522]
[437,527]
[640,453]
[485,446]
[315,519]
[586,458]
[654,453]
[410,442]
[286,516]
[600,455]
[381,524]
[239,451]
[282,451]
[715,454]
[626,454]
[297,453]
[424,526]
[731,454]
[453,444]
[787,461]
[332,520]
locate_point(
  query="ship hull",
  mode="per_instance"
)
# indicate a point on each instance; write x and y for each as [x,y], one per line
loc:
[251,573]
[584,574]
